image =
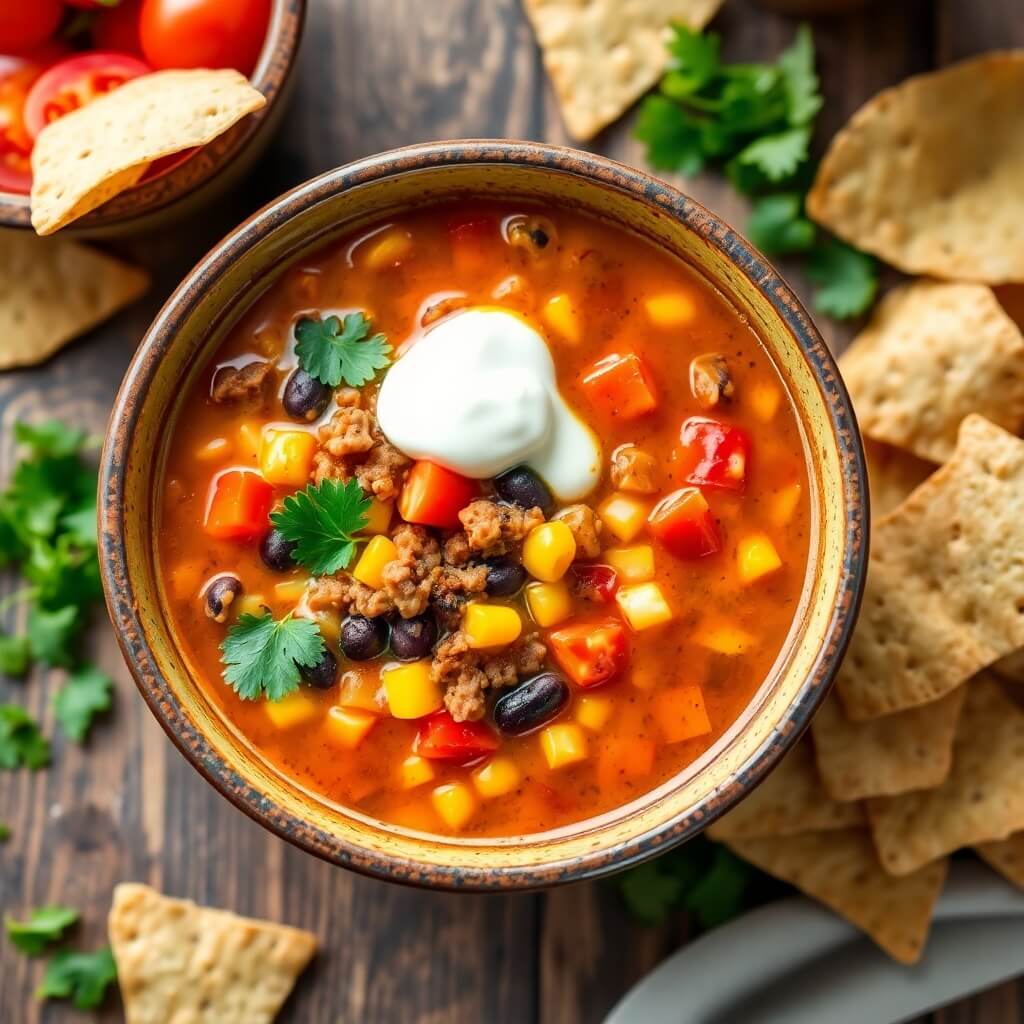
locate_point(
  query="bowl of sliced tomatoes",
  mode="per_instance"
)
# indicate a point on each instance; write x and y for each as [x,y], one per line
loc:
[57,56]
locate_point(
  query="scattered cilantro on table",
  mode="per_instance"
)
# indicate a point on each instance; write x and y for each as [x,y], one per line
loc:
[45,925]
[86,693]
[755,122]
[21,742]
[262,654]
[5,833]
[335,350]
[81,977]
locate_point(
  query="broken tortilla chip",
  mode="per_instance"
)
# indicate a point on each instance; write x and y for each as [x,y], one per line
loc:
[90,155]
[841,870]
[179,961]
[927,175]
[603,55]
[892,475]
[1006,856]
[51,291]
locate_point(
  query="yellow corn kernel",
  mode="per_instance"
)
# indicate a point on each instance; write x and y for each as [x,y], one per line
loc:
[764,401]
[250,435]
[361,690]
[252,604]
[414,771]
[370,567]
[560,315]
[593,712]
[455,803]
[349,726]
[388,249]
[623,515]
[291,591]
[296,708]
[214,451]
[634,564]
[410,690]
[548,551]
[724,639]
[671,309]
[783,505]
[329,623]
[496,778]
[378,516]
[286,456]
[549,603]
[563,744]
[756,557]
[490,625]
[643,605]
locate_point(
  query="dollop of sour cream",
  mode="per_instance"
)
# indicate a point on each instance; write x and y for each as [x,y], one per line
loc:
[477,394]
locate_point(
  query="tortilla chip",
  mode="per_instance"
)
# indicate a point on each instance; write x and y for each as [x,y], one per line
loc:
[51,291]
[931,355]
[603,55]
[181,962]
[841,870]
[790,801]
[983,798]
[90,155]
[912,749]
[945,585]
[892,475]
[927,175]
[1006,856]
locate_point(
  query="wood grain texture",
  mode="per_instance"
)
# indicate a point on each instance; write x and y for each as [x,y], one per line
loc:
[375,74]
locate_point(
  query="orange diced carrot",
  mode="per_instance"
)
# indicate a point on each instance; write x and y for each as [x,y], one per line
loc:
[682,714]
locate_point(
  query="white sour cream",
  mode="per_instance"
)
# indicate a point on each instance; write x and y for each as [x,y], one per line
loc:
[477,394]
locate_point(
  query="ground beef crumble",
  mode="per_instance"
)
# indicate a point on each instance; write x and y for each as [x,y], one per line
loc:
[586,529]
[453,588]
[492,528]
[456,549]
[241,383]
[410,578]
[342,593]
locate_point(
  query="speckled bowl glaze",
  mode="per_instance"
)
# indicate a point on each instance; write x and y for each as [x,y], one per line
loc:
[248,262]
[206,174]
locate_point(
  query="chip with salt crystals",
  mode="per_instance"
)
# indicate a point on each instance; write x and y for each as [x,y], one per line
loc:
[932,354]
[51,291]
[92,154]
[909,750]
[981,800]
[945,584]
[841,870]
[1006,856]
[603,55]
[892,475]
[790,801]
[177,961]
[927,174]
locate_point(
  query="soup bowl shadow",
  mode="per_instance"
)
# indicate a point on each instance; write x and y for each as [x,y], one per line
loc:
[197,317]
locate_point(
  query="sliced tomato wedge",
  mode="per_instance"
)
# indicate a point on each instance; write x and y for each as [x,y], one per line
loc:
[591,653]
[683,522]
[714,454]
[238,505]
[434,496]
[621,385]
[595,581]
[441,738]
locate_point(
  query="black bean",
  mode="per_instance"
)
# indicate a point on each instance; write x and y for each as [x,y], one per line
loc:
[323,674]
[539,238]
[531,704]
[413,638]
[277,552]
[363,638]
[521,486]
[505,577]
[305,398]
[219,594]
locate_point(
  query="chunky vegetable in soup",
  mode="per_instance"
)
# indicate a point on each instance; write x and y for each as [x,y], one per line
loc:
[485,521]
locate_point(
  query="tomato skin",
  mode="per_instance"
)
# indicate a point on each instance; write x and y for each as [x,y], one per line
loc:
[621,385]
[441,738]
[683,522]
[714,454]
[204,33]
[434,496]
[596,581]
[591,653]
[239,506]
[25,24]
[117,28]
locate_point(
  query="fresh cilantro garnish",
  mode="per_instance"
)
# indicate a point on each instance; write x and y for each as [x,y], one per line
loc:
[14,655]
[51,634]
[86,693]
[322,521]
[262,655]
[846,278]
[335,350]
[5,833]
[777,224]
[650,892]
[50,439]
[45,925]
[81,977]
[21,742]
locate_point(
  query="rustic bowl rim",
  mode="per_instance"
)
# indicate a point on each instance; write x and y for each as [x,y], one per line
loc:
[132,633]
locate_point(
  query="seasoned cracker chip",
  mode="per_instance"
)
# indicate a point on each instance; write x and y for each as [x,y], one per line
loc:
[932,354]
[51,291]
[945,584]
[841,870]
[909,750]
[90,155]
[927,175]
[603,55]
[982,800]
[1006,856]
[892,475]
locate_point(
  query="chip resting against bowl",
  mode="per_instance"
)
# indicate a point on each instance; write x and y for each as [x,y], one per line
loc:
[927,175]
[96,152]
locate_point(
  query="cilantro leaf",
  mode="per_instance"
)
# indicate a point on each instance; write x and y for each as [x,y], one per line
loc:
[14,655]
[333,350]
[719,895]
[262,655]
[52,438]
[777,156]
[777,224]
[803,89]
[52,634]
[21,742]
[674,140]
[81,977]
[80,523]
[846,278]
[694,61]
[650,892]
[5,833]
[322,521]
[44,926]
[86,693]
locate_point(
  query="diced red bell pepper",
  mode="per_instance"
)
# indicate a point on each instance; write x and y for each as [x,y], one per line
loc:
[434,496]
[238,506]
[683,522]
[714,454]
[470,239]
[441,738]
[595,581]
[621,384]
[591,653]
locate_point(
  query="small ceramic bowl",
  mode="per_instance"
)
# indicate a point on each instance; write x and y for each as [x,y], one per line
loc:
[248,262]
[207,173]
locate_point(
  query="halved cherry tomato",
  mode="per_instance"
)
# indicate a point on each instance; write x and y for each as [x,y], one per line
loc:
[595,581]
[238,506]
[27,23]
[591,653]
[441,738]
[17,74]
[683,522]
[620,384]
[714,454]
[117,28]
[434,496]
[470,237]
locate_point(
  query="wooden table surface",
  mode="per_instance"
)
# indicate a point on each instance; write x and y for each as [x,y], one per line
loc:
[376,74]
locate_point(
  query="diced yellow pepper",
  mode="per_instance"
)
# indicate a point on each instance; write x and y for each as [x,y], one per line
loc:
[634,564]
[593,712]
[455,803]
[490,625]
[671,309]
[414,771]
[349,726]
[764,401]
[561,316]
[286,456]
[643,605]
[329,623]
[563,744]
[250,435]
[549,550]
[214,451]
[496,778]
[549,603]
[411,692]
[388,249]
[361,690]
[623,515]
[378,516]
[252,604]
[296,708]
[756,557]
[291,590]
[783,505]
[370,567]
[721,639]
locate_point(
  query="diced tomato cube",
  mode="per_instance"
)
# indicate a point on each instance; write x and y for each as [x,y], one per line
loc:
[683,522]
[621,385]
[591,653]
[441,738]
[238,506]
[595,581]
[714,454]
[434,496]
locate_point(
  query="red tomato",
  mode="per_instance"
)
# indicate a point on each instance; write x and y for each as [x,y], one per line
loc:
[117,28]
[16,77]
[591,653]
[75,82]
[25,24]
[238,506]
[621,385]
[434,496]
[714,454]
[441,738]
[204,33]
[595,581]
[683,522]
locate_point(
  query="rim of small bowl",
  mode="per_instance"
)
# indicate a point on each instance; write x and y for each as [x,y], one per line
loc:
[204,757]
[270,77]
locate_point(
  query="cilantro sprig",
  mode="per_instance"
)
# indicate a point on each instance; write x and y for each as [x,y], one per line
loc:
[45,925]
[262,654]
[81,977]
[335,350]
[86,694]
[22,745]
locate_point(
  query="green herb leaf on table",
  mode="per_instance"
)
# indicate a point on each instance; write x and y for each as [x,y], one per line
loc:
[803,88]
[720,894]
[14,655]
[777,224]
[777,156]
[5,833]
[87,693]
[650,892]
[262,655]
[52,634]
[335,350]
[45,925]
[21,742]
[81,977]
[846,278]
[50,439]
